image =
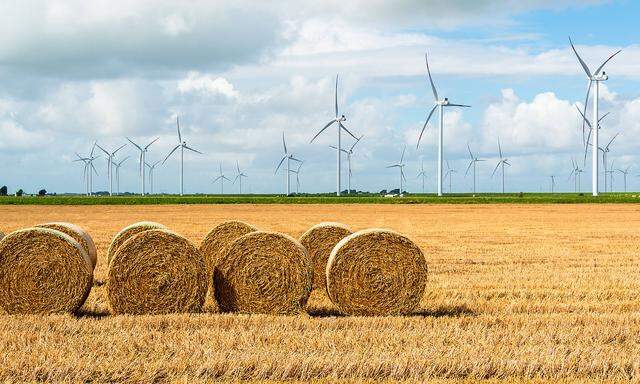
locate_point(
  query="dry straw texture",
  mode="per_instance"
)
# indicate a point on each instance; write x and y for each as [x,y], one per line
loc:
[264,272]
[79,235]
[156,272]
[319,241]
[376,272]
[43,271]
[216,242]
[129,231]
[1,235]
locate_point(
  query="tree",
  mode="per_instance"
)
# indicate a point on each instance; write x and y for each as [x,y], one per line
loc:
[3,190]
[19,193]
[42,192]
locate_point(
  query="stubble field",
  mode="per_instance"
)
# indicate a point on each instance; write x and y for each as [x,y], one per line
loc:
[515,292]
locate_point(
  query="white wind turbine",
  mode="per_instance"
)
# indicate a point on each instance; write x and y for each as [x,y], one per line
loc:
[625,172]
[222,178]
[450,172]
[553,183]
[400,165]
[502,163]
[575,172]
[297,172]
[143,152]
[110,159]
[288,157]
[610,171]
[151,167]
[182,145]
[87,174]
[239,176]
[349,154]
[596,77]
[472,163]
[440,104]
[422,174]
[339,127]
[118,165]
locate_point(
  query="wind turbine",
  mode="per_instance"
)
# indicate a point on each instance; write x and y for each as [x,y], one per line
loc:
[625,172]
[151,167]
[422,174]
[87,175]
[553,183]
[288,157]
[349,154]
[610,171]
[575,172]
[222,178]
[502,163]
[239,176]
[297,172]
[474,160]
[604,150]
[439,103]
[118,165]
[110,157]
[143,152]
[450,172]
[339,127]
[400,165]
[596,77]
[182,145]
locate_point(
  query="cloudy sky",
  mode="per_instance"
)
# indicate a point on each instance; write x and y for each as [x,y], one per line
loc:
[239,73]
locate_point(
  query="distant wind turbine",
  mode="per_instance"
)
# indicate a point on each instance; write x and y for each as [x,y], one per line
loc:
[422,174]
[288,157]
[222,178]
[575,172]
[87,174]
[239,176]
[501,163]
[110,159]
[625,172]
[143,152]
[400,165]
[450,172]
[182,145]
[349,154]
[297,172]
[596,77]
[553,183]
[118,165]
[439,103]
[339,127]
[610,172]
[151,167]
[472,163]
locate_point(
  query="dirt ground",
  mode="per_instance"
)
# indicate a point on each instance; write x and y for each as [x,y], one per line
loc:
[515,292]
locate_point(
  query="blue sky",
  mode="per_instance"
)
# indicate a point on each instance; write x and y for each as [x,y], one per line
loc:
[240,73]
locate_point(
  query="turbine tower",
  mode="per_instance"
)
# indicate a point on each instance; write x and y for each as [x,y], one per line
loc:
[222,178]
[625,172]
[502,163]
[422,174]
[472,163]
[239,176]
[400,165]
[288,157]
[349,153]
[440,104]
[143,152]
[450,172]
[118,165]
[110,158]
[575,172]
[182,145]
[596,77]
[151,167]
[87,174]
[553,183]
[297,172]
[339,127]
[610,171]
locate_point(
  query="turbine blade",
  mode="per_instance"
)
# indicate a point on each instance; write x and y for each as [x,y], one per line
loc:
[586,147]
[582,63]
[284,144]
[470,154]
[178,125]
[425,124]
[235,179]
[294,159]
[193,150]
[354,144]
[153,141]
[279,164]
[495,169]
[119,148]
[171,153]
[322,130]
[216,179]
[136,145]
[584,118]
[336,96]
[102,149]
[611,141]
[500,149]
[345,128]
[586,101]
[603,116]
[433,87]
[468,168]
[605,62]
[458,105]
[402,157]
[238,168]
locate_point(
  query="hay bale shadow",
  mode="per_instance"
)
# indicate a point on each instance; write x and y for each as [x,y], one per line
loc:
[91,314]
[324,312]
[447,311]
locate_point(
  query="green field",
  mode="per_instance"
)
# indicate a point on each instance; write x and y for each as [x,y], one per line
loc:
[514,198]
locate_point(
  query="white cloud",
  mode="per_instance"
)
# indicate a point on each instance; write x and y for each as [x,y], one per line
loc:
[207,85]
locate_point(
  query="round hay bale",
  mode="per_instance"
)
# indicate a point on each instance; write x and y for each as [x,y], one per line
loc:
[128,232]
[219,238]
[43,271]
[156,272]
[79,235]
[376,272]
[263,272]
[319,241]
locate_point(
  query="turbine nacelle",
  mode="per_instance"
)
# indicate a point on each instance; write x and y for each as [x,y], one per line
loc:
[600,77]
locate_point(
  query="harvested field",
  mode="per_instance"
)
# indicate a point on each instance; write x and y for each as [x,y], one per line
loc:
[514,292]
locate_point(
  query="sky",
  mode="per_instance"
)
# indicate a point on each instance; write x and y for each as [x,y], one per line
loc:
[240,73]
